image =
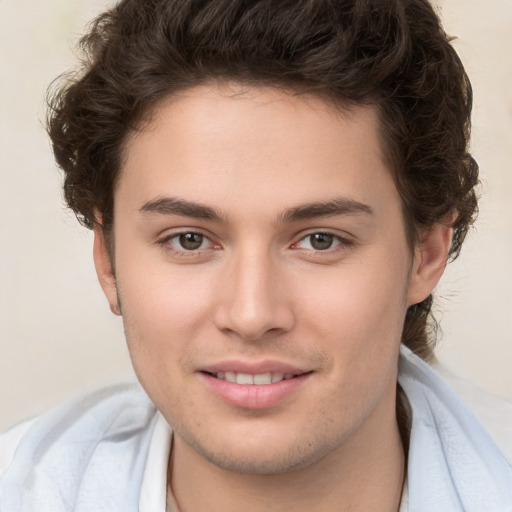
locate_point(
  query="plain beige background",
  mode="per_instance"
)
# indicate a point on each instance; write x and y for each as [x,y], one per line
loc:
[57,336]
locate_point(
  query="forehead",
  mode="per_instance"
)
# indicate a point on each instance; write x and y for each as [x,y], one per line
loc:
[257,148]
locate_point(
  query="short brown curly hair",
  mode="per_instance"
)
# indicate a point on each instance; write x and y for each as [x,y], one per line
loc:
[393,54]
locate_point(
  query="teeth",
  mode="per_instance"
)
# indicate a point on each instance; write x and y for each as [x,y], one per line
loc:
[244,378]
[263,378]
[229,376]
[247,378]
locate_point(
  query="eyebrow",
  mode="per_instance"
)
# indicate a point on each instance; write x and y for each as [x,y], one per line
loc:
[174,206]
[330,208]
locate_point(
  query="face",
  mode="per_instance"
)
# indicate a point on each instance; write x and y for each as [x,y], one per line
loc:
[263,274]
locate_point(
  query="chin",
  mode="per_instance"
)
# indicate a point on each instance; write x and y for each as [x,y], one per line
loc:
[265,456]
[258,463]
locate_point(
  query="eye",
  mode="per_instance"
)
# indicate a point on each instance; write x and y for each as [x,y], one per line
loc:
[188,246]
[319,241]
[188,241]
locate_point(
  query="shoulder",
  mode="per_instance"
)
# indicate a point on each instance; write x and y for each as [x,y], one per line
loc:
[9,442]
[459,443]
[93,443]
[437,391]
[493,412]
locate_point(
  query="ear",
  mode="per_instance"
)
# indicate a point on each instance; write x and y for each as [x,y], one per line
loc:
[430,259]
[104,270]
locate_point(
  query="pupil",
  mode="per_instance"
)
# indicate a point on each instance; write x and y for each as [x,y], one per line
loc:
[191,241]
[321,241]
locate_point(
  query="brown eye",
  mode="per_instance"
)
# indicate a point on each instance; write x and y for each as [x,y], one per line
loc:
[321,241]
[190,241]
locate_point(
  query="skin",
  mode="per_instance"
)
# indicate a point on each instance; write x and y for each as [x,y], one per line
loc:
[259,289]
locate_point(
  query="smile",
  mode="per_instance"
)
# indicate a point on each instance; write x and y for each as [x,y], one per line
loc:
[254,390]
[250,379]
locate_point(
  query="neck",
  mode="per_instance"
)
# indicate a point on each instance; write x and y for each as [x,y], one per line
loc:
[365,473]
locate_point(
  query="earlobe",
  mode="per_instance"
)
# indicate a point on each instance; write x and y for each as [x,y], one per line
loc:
[104,270]
[430,259]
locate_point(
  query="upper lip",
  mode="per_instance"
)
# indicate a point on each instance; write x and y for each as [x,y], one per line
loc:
[253,367]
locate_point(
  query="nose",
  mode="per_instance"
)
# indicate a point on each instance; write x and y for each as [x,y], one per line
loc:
[253,302]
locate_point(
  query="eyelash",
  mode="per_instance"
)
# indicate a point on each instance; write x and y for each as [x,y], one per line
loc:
[168,246]
[336,239]
[341,243]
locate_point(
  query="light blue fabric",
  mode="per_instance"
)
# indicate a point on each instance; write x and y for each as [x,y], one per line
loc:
[87,456]
[454,465]
[90,455]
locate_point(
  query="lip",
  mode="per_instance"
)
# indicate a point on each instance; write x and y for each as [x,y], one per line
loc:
[253,396]
[254,368]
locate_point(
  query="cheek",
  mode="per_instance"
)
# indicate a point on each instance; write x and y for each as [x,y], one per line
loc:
[164,309]
[356,298]
[357,314]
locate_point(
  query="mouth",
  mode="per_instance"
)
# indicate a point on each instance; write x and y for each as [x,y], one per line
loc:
[248,379]
[259,389]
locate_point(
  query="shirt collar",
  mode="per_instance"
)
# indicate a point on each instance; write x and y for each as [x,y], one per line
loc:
[153,494]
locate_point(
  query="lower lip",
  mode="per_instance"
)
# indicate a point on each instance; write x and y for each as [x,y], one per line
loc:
[254,396]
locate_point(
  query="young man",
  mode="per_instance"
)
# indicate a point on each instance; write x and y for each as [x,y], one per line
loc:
[275,189]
